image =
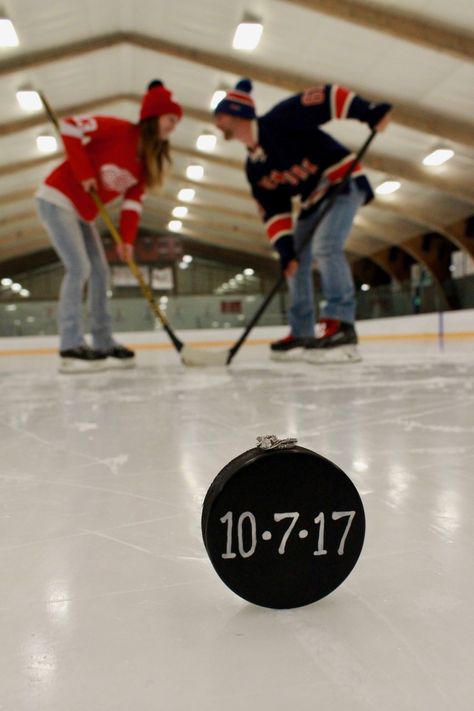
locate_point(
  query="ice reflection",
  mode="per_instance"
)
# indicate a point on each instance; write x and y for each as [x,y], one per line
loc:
[447,517]
[399,480]
[359,465]
[41,660]
[58,600]
[189,469]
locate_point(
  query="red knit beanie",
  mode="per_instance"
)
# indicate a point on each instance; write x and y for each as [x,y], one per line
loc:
[157,101]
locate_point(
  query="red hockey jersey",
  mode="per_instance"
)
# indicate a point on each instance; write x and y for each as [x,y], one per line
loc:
[104,148]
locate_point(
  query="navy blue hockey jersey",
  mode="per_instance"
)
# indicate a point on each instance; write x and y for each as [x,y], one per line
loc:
[294,157]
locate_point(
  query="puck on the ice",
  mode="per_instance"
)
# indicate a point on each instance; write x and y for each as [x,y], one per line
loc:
[283,526]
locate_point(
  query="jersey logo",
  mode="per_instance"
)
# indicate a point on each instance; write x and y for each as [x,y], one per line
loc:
[295,175]
[87,124]
[115,178]
[314,95]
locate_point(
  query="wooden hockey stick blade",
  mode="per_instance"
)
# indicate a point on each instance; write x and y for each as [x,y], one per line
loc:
[201,358]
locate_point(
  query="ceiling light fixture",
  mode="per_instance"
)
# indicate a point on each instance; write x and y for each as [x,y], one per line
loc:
[186,194]
[248,33]
[388,187]
[8,36]
[46,144]
[194,172]
[438,156]
[206,141]
[180,211]
[217,97]
[29,99]
[175,225]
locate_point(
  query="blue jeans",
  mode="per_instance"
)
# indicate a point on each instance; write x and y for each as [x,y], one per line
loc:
[80,249]
[327,247]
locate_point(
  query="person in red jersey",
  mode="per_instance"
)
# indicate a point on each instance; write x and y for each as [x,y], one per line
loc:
[115,158]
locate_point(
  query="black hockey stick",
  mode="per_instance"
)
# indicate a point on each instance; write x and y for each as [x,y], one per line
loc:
[281,279]
[189,355]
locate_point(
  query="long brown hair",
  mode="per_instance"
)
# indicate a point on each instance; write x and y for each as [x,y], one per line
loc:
[154,153]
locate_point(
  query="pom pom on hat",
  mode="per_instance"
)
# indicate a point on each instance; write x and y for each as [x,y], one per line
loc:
[158,101]
[155,82]
[244,85]
[238,102]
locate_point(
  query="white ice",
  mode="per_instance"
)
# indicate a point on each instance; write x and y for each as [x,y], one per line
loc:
[108,601]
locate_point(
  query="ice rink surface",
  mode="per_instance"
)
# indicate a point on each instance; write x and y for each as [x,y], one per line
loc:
[108,601]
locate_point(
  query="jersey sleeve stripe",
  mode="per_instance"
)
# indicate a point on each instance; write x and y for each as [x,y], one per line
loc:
[132,205]
[346,104]
[340,100]
[279,225]
[336,172]
[332,101]
[68,129]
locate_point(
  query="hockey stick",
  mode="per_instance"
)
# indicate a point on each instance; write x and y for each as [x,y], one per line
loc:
[189,355]
[281,279]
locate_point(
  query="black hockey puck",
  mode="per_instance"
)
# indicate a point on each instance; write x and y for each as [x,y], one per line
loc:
[282,525]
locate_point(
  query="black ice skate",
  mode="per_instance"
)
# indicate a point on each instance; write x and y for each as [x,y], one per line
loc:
[289,348]
[119,357]
[81,360]
[335,342]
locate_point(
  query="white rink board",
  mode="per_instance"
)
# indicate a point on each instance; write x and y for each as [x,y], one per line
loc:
[451,324]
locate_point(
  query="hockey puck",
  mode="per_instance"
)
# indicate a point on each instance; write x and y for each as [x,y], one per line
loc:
[282,525]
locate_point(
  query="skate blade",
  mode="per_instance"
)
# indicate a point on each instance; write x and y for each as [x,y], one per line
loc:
[73,366]
[285,356]
[119,363]
[339,354]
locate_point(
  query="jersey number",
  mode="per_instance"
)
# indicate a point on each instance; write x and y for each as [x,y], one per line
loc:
[313,95]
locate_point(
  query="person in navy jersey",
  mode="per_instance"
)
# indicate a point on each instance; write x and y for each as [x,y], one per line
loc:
[290,156]
[115,158]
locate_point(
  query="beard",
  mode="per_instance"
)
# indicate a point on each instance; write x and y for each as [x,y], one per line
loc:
[228,134]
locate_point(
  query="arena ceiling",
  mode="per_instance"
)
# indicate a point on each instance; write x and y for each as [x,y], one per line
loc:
[99,57]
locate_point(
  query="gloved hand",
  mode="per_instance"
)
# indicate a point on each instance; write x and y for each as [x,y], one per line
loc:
[375,113]
[125,251]
[89,184]
[286,250]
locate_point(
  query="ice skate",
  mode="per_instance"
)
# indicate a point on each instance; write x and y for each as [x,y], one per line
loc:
[119,357]
[288,349]
[81,360]
[336,342]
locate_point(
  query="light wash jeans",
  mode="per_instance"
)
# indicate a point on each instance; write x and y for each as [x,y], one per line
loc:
[80,249]
[326,247]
